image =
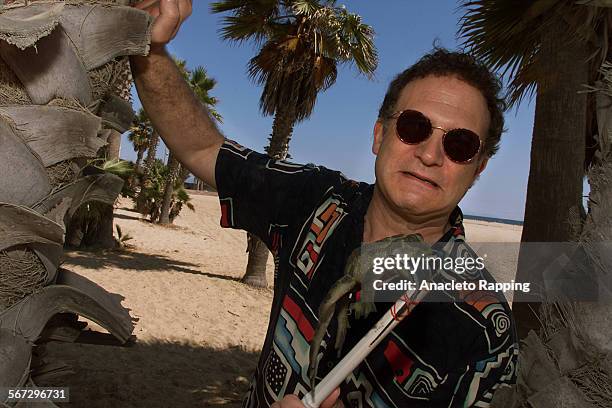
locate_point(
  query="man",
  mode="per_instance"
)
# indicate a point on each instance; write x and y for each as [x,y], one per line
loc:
[440,122]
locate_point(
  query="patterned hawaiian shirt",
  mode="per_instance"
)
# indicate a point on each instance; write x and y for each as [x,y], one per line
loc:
[444,354]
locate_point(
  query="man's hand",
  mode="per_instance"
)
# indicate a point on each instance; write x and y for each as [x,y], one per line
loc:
[292,401]
[169,15]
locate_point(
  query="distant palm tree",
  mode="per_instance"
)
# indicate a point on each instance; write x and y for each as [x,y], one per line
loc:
[139,136]
[201,84]
[552,48]
[302,43]
[149,162]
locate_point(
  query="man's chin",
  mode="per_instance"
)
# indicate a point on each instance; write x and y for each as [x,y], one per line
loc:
[415,205]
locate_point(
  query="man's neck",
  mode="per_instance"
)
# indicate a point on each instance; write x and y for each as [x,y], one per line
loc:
[381,221]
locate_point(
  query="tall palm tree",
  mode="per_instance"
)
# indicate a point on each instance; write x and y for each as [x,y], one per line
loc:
[201,84]
[567,362]
[302,43]
[552,48]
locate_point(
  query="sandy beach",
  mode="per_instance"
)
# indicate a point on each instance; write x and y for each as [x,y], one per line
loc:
[199,330]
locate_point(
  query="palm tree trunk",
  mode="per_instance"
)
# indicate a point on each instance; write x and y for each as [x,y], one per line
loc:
[114,145]
[152,150]
[149,160]
[282,129]
[174,167]
[139,157]
[554,188]
[134,179]
[99,233]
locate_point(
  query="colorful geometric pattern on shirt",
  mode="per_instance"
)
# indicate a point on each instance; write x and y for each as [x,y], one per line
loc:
[306,254]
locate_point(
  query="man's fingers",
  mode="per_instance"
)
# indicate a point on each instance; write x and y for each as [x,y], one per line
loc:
[167,23]
[331,400]
[185,7]
[289,401]
[168,14]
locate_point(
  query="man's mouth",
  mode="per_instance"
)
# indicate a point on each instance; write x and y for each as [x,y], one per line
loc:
[422,178]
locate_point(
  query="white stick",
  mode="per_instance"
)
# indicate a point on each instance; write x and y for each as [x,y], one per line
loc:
[359,352]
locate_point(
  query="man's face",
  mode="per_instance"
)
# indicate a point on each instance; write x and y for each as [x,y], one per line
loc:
[449,103]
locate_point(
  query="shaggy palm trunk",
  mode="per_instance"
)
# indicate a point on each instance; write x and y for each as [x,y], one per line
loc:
[282,129]
[174,168]
[554,190]
[568,362]
[60,92]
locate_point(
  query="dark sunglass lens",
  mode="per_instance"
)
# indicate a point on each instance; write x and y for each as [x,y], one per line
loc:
[461,145]
[413,127]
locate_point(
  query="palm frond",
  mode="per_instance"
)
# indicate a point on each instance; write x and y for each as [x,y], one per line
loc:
[228,5]
[301,42]
[506,35]
[117,167]
[357,42]
[306,7]
[250,20]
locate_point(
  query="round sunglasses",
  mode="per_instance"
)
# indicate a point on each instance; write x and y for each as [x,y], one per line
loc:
[413,127]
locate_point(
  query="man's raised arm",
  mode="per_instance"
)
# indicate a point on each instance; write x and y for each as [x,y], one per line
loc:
[181,119]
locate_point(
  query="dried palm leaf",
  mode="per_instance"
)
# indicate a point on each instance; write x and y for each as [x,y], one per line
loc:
[30,251]
[102,188]
[50,70]
[117,113]
[55,133]
[24,26]
[21,225]
[111,302]
[117,31]
[29,317]
[15,361]
[24,178]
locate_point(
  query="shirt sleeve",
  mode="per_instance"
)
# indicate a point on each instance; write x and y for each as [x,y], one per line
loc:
[257,193]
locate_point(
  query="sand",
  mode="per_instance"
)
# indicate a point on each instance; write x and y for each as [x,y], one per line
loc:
[199,330]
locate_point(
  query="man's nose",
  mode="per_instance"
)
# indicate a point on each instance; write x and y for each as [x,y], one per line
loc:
[431,151]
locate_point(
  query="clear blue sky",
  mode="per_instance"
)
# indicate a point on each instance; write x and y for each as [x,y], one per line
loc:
[338,135]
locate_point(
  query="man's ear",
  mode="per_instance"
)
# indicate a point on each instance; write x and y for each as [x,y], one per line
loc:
[481,167]
[379,132]
[478,171]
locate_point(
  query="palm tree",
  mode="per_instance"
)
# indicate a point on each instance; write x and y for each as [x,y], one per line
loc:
[201,84]
[567,362]
[63,125]
[149,162]
[139,136]
[553,48]
[302,43]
